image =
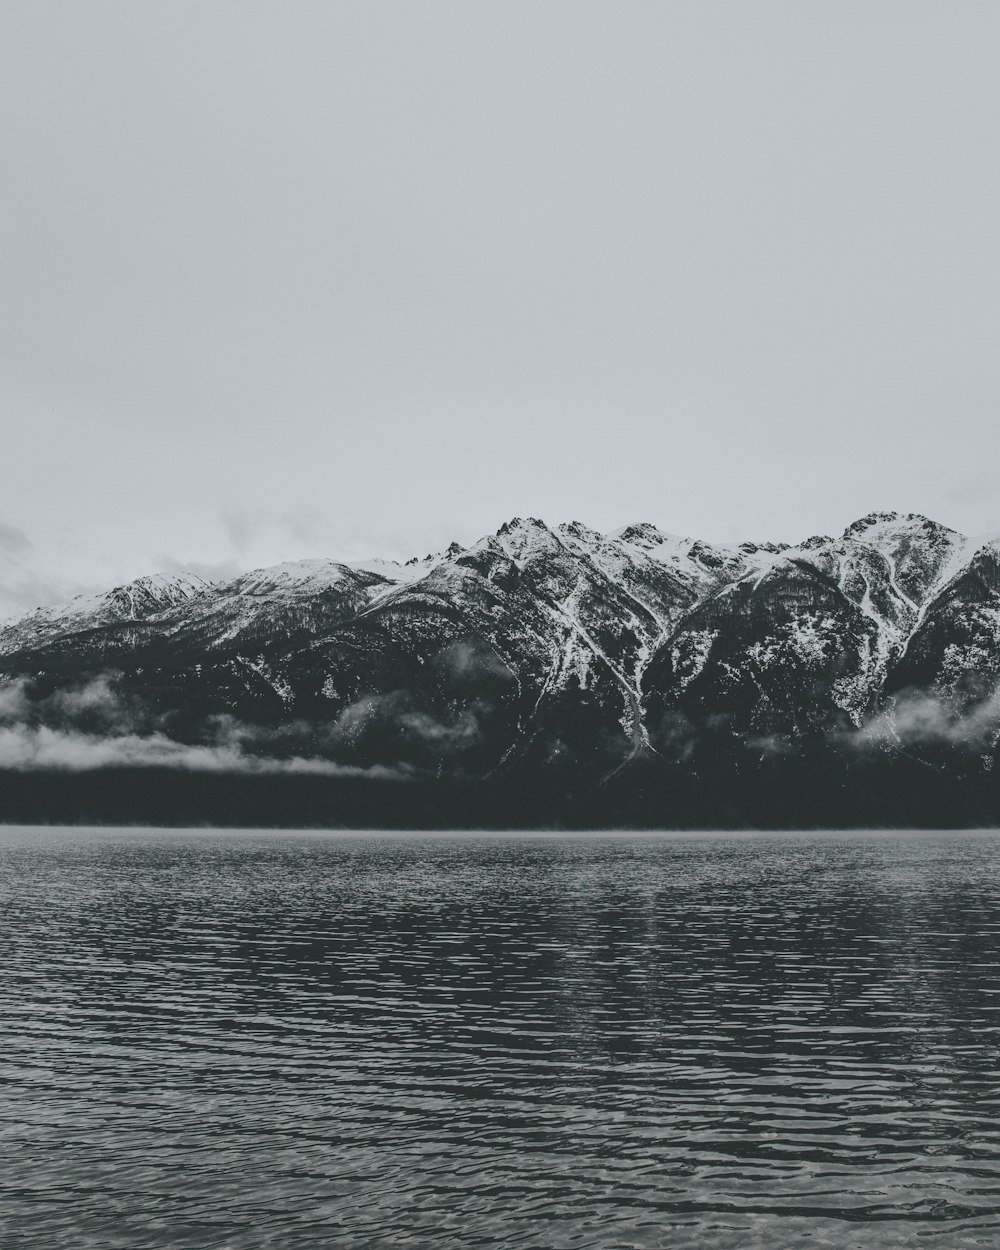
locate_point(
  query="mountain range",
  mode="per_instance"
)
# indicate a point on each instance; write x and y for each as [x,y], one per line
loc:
[555,674]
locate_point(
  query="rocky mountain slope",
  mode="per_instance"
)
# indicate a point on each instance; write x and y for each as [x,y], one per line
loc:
[539,650]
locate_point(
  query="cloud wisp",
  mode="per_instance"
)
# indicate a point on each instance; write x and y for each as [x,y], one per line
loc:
[95,726]
[925,719]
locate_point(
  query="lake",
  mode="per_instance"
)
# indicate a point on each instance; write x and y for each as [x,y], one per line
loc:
[249,1040]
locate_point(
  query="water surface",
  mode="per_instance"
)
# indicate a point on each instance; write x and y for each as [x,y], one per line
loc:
[285,1040]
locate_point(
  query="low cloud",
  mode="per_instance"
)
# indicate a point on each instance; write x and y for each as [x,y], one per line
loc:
[25,749]
[393,719]
[97,725]
[914,721]
[921,718]
[773,746]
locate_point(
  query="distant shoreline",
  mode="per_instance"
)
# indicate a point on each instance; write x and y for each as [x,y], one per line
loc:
[526,834]
[792,800]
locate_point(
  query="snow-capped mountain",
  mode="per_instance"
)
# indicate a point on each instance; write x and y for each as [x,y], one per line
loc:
[555,647]
[819,633]
[132,602]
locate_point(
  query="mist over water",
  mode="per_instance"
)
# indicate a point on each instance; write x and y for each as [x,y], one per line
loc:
[263,1040]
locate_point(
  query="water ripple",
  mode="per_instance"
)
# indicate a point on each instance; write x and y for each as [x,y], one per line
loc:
[248,1041]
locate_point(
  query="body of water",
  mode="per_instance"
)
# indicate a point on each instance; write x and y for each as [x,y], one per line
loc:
[251,1040]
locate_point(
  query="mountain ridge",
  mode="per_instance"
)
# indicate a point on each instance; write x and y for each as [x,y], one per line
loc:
[542,651]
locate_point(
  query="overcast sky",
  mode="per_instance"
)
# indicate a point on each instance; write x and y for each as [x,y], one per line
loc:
[344,279]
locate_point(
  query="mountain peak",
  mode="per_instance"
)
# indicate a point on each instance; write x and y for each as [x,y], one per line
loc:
[520,524]
[523,537]
[642,532]
[896,520]
[579,531]
[131,600]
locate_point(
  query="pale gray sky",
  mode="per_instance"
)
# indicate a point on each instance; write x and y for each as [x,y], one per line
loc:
[297,279]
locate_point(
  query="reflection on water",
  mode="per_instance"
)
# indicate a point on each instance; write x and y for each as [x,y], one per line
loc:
[251,1040]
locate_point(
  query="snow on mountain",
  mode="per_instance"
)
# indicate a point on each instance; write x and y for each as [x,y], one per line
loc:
[304,576]
[541,642]
[134,601]
[893,567]
[890,566]
[393,570]
[703,565]
[816,630]
[954,649]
